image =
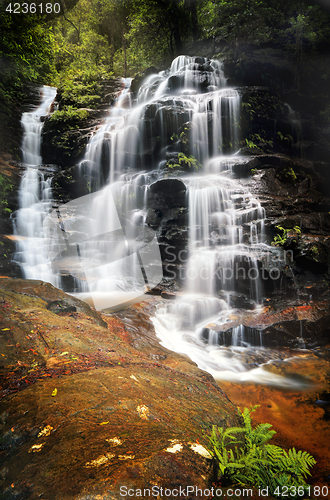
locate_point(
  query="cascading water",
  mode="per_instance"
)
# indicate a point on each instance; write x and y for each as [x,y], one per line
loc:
[104,241]
[111,159]
[34,197]
[226,223]
[227,240]
[296,130]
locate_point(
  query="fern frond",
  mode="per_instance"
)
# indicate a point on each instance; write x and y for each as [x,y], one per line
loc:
[245,456]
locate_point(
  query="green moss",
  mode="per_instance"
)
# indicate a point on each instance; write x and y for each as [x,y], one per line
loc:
[287,175]
[6,187]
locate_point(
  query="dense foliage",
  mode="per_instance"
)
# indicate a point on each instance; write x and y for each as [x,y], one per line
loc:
[127,35]
[26,55]
[87,41]
[244,456]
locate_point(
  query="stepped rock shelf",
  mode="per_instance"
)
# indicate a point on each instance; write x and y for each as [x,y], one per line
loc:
[173,199]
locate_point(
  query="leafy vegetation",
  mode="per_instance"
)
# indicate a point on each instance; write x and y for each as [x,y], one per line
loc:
[69,115]
[281,237]
[89,41]
[6,188]
[187,162]
[287,175]
[244,456]
[126,36]
[288,137]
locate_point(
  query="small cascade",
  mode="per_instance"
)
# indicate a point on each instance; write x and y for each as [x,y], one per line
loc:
[239,336]
[109,141]
[214,123]
[35,197]
[244,336]
[296,130]
[222,245]
[301,338]
[192,90]
[32,124]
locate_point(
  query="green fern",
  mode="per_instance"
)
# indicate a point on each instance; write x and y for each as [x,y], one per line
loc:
[190,161]
[244,456]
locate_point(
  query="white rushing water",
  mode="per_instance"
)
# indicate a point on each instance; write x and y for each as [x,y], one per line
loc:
[226,235]
[226,222]
[113,155]
[103,241]
[35,197]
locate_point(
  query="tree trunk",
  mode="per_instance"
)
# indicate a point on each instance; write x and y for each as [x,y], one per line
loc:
[192,8]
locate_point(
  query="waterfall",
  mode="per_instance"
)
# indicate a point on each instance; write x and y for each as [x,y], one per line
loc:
[35,197]
[102,240]
[114,154]
[227,241]
[296,130]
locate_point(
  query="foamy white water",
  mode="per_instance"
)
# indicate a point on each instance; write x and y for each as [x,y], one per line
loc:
[35,197]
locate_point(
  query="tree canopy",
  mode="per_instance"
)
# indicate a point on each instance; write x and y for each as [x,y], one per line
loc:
[125,36]
[79,42]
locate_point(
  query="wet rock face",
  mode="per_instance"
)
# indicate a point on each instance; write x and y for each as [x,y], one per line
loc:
[297,212]
[138,79]
[91,404]
[281,324]
[68,147]
[167,194]
[265,66]
[167,215]
[10,171]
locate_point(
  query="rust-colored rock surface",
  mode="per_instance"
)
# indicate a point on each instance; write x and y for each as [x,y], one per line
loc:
[90,404]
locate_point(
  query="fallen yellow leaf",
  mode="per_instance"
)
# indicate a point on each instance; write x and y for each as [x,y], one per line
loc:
[54,392]
[45,431]
[104,423]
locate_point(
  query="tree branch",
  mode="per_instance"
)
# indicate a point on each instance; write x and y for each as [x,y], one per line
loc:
[69,21]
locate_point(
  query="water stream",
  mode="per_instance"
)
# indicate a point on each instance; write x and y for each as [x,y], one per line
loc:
[35,197]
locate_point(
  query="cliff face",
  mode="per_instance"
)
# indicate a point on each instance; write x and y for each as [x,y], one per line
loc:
[102,385]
